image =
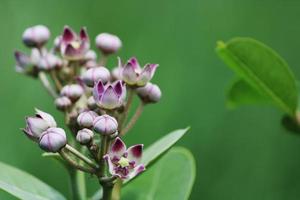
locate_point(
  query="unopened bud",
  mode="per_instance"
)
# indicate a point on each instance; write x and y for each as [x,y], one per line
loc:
[150,93]
[105,125]
[73,91]
[108,43]
[53,139]
[93,75]
[36,36]
[91,103]
[84,136]
[86,119]
[62,103]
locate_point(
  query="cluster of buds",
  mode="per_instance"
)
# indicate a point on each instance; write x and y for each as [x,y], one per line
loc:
[95,100]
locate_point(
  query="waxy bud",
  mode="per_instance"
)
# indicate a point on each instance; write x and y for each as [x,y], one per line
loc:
[90,55]
[93,75]
[84,136]
[108,43]
[36,36]
[105,125]
[53,139]
[86,119]
[62,103]
[73,91]
[36,125]
[150,93]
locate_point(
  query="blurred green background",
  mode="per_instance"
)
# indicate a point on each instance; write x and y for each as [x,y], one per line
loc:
[241,154]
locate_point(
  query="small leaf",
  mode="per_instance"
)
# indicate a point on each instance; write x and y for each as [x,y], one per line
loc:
[157,149]
[263,69]
[25,186]
[241,93]
[172,177]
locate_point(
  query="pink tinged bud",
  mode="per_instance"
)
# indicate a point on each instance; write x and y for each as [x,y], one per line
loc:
[84,136]
[62,103]
[124,163]
[109,96]
[150,93]
[36,36]
[23,63]
[73,46]
[53,139]
[57,43]
[36,125]
[86,119]
[108,43]
[90,55]
[134,75]
[93,75]
[73,92]
[105,125]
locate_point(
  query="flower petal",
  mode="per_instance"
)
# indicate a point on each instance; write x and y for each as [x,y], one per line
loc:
[118,87]
[129,74]
[36,126]
[70,51]
[68,35]
[136,171]
[110,164]
[83,34]
[134,62]
[117,149]
[47,117]
[109,99]
[134,153]
[98,90]
[146,74]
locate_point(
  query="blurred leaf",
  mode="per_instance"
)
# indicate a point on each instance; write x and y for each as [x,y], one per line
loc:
[263,69]
[98,195]
[25,186]
[157,149]
[241,93]
[171,178]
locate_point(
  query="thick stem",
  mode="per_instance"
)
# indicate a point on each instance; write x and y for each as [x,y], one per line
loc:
[107,191]
[103,151]
[78,193]
[81,156]
[134,119]
[116,194]
[47,85]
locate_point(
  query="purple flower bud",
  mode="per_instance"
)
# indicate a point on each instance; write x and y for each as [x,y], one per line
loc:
[108,43]
[134,75]
[84,136]
[109,96]
[105,125]
[23,62]
[73,92]
[73,46]
[62,103]
[150,93]
[90,55]
[36,36]
[91,103]
[86,119]
[53,139]
[116,73]
[36,125]
[93,75]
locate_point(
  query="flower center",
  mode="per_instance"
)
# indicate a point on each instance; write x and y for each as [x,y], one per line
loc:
[75,44]
[123,162]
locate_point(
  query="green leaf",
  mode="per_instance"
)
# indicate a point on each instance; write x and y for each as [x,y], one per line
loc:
[172,177]
[241,93]
[157,149]
[25,186]
[263,69]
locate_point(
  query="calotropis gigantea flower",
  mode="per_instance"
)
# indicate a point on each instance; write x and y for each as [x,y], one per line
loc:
[37,124]
[108,43]
[134,75]
[73,46]
[36,36]
[150,93]
[53,139]
[124,163]
[94,74]
[110,95]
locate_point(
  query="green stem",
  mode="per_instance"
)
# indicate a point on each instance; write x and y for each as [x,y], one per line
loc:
[134,119]
[107,191]
[44,80]
[81,156]
[126,109]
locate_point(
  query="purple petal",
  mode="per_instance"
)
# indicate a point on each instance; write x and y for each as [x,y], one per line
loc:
[110,164]
[68,35]
[134,63]
[70,51]
[134,153]
[83,34]
[110,99]
[118,87]
[137,170]
[98,90]
[117,149]
[129,74]
[147,74]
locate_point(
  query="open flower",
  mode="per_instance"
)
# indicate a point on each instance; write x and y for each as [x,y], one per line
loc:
[37,124]
[124,163]
[110,95]
[72,46]
[134,75]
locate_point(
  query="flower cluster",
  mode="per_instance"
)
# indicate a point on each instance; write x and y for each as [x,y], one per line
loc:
[95,100]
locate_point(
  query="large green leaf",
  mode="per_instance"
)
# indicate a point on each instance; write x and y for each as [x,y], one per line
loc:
[157,149]
[172,177]
[25,186]
[241,93]
[263,69]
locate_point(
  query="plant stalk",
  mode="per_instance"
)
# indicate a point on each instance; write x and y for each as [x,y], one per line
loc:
[134,119]
[44,80]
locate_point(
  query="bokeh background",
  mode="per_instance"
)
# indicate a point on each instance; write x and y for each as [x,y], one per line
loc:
[240,154]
